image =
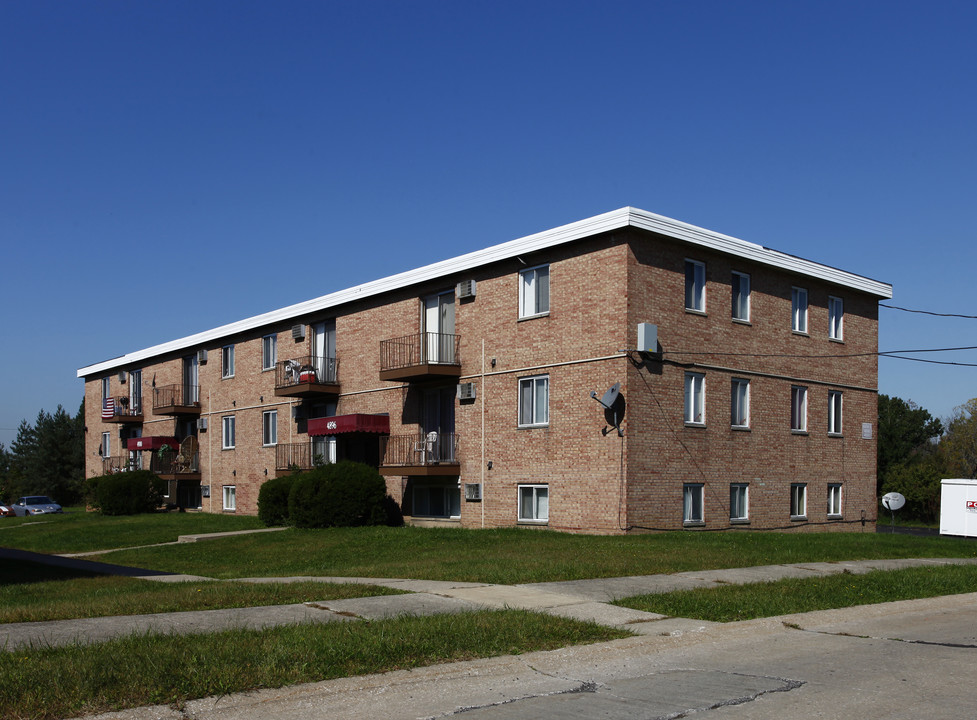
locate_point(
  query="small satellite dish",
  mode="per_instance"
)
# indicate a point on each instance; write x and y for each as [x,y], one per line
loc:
[893,501]
[610,397]
[613,403]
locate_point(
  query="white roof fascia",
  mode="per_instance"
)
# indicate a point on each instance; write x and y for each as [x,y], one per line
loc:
[624,217]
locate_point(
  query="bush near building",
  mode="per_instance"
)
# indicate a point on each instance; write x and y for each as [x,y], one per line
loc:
[273,500]
[126,493]
[344,494]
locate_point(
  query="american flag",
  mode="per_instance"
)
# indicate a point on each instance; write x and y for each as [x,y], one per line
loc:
[108,408]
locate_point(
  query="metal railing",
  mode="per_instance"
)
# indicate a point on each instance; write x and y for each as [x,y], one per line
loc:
[293,456]
[178,395]
[125,407]
[420,349]
[171,462]
[117,464]
[421,449]
[309,369]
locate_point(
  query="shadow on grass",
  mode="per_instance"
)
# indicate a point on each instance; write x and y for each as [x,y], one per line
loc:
[20,572]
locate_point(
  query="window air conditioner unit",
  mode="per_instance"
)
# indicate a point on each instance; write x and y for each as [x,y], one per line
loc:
[202,424]
[465,289]
[466,391]
[122,376]
[202,357]
[298,332]
[473,492]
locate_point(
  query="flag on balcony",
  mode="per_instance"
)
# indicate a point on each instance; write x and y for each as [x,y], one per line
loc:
[108,408]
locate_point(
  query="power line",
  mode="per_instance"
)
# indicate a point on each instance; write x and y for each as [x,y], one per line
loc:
[882,353]
[934,362]
[927,312]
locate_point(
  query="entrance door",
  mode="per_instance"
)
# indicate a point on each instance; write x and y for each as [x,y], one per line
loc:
[135,456]
[324,351]
[439,424]
[439,326]
[135,392]
[191,380]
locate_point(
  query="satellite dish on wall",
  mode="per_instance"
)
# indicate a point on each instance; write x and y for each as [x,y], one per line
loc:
[613,403]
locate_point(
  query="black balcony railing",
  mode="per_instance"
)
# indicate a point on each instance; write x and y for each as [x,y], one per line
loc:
[425,348]
[117,464]
[420,450]
[293,456]
[308,370]
[125,408]
[171,462]
[180,395]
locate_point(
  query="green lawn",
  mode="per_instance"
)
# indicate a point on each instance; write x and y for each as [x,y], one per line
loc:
[796,595]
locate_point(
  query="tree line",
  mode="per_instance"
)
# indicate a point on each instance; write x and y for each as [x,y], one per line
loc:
[46,458]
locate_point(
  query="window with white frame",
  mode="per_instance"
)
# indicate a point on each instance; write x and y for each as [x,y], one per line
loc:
[739,403]
[692,511]
[836,318]
[106,389]
[269,427]
[227,432]
[106,450]
[534,503]
[534,291]
[741,296]
[834,500]
[230,497]
[798,408]
[834,412]
[695,286]
[695,398]
[739,501]
[227,361]
[798,500]
[798,310]
[534,401]
[441,501]
[269,352]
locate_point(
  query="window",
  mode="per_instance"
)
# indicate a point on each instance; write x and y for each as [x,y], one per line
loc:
[269,352]
[135,392]
[230,497]
[798,408]
[739,403]
[695,286]
[741,297]
[534,401]
[269,427]
[834,412]
[227,435]
[798,310]
[836,318]
[798,500]
[105,450]
[534,503]
[534,291]
[834,500]
[695,398]
[442,501]
[692,502]
[227,361]
[739,501]
[106,388]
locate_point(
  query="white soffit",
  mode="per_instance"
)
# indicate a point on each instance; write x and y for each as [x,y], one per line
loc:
[615,220]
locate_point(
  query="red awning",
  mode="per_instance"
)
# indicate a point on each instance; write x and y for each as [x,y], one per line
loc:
[358,422]
[151,443]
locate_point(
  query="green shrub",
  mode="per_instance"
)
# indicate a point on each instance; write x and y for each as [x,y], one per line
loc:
[345,494]
[127,493]
[273,500]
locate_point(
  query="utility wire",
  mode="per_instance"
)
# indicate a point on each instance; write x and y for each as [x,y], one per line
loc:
[927,312]
[883,353]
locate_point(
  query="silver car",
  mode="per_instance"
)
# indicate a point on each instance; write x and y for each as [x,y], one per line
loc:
[35,505]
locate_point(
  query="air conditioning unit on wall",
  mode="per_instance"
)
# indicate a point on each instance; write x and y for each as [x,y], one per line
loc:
[465,289]
[473,492]
[466,391]
[298,332]
[122,376]
[202,357]
[202,424]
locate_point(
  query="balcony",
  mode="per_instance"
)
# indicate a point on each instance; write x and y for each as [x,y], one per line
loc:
[121,410]
[291,457]
[419,454]
[117,464]
[307,377]
[173,465]
[420,356]
[176,400]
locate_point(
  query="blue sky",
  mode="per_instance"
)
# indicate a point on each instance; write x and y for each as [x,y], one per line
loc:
[162,164]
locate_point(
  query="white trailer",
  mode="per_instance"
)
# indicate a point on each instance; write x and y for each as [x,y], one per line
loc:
[958,507]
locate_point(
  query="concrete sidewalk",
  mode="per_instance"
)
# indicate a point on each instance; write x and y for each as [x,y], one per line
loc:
[587,600]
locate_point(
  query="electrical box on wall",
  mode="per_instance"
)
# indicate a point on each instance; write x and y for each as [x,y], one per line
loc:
[647,337]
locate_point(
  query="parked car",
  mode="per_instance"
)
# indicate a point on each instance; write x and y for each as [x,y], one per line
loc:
[35,505]
[7,510]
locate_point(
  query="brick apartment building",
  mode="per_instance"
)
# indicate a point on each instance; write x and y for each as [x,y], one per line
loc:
[473,385]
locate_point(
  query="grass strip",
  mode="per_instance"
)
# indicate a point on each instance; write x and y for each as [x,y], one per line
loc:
[730,603]
[103,596]
[170,670]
